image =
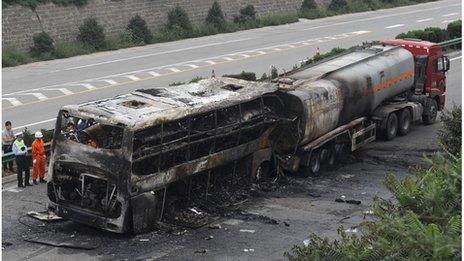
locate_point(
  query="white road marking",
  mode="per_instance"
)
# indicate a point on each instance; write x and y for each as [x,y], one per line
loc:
[65,91]
[227,58]
[13,101]
[38,95]
[244,55]
[261,52]
[291,46]
[109,81]
[447,21]
[455,58]
[450,14]
[380,17]
[394,26]
[424,20]
[155,54]
[154,74]
[85,85]
[193,66]
[15,190]
[174,69]
[210,62]
[276,49]
[132,77]
[32,124]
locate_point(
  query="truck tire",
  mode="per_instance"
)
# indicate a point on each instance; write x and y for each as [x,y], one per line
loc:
[392,127]
[404,122]
[430,112]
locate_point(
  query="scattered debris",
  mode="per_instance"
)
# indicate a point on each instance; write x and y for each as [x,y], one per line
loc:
[286,224]
[76,245]
[368,212]
[344,218]
[247,230]
[196,211]
[347,176]
[180,232]
[201,251]
[44,216]
[209,237]
[215,226]
[351,230]
[144,239]
[306,242]
[349,201]
[5,244]
[314,195]
[233,222]
[249,250]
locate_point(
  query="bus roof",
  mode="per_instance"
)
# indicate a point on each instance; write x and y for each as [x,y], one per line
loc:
[146,107]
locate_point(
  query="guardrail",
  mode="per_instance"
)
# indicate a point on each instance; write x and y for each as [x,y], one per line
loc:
[7,157]
[451,43]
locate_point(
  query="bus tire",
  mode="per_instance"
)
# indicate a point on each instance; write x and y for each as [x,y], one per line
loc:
[315,162]
[404,122]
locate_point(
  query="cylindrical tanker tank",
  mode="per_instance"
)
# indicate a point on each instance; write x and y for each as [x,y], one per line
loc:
[337,91]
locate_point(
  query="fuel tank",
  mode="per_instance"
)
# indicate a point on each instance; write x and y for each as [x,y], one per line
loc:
[336,91]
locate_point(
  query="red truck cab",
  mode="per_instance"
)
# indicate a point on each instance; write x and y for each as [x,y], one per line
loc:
[430,67]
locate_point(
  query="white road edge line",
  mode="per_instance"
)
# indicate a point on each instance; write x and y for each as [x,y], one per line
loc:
[35,123]
[450,14]
[455,58]
[155,54]
[174,69]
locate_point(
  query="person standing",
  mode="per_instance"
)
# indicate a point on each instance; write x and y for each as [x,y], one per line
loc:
[7,142]
[20,152]
[38,158]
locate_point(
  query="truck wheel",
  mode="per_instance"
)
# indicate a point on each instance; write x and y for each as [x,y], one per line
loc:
[315,162]
[430,114]
[392,127]
[405,122]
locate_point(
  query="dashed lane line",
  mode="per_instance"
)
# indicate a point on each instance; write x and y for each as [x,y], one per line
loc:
[394,26]
[424,20]
[173,70]
[450,14]
[132,77]
[13,101]
[154,74]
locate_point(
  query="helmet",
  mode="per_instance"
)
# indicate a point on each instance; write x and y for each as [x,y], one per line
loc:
[18,134]
[38,134]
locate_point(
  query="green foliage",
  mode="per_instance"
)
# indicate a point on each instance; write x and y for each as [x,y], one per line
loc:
[247,13]
[249,76]
[450,133]
[215,16]
[196,79]
[318,57]
[274,73]
[338,5]
[176,83]
[425,225]
[43,44]
[179,22]
[454,29]
[139,30]
[308,5]
[91,33]
[69,49]
[432,34]
[12,57]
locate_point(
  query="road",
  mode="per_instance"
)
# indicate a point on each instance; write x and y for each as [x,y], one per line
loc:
[301,206]
[32,94]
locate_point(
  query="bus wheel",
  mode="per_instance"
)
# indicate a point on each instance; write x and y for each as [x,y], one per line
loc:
[430,112]
[405,122]
[315,162]
[389,133]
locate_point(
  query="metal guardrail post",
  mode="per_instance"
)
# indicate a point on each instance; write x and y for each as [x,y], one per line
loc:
[7,157]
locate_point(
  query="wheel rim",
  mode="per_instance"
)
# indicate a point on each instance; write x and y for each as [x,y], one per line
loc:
[433,112]
[393,126]
[315,163]
[406,123]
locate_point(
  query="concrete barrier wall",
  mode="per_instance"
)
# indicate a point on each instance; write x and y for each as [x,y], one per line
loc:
[19,23]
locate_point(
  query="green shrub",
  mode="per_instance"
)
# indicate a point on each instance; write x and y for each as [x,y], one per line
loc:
[69,49]
[338,5]
[179,20]
[247,13]
[34,3]
[249,76]
[270,20]
[432,34]
[176,83]
[308,5]
[425,225]
[70,2]
[13,56]
[454,29]
[215,16]
[315,13]
[139,30]
[196,79]
[274,73]
[359,6]
[450,133]
[91,33]
[43,44]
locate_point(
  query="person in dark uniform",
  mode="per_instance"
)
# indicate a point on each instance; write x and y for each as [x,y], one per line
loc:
[20,152]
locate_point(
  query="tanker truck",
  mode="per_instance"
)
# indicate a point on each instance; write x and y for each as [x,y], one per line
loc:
[340,104]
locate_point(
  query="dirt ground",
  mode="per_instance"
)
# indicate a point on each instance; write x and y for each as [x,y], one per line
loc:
[262,228]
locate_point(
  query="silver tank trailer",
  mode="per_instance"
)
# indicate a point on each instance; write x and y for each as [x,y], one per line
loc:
[342,89]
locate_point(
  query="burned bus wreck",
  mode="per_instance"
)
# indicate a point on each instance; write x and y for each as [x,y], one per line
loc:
[113,159]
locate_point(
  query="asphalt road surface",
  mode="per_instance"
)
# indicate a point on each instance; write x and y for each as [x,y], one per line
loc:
[32,94]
